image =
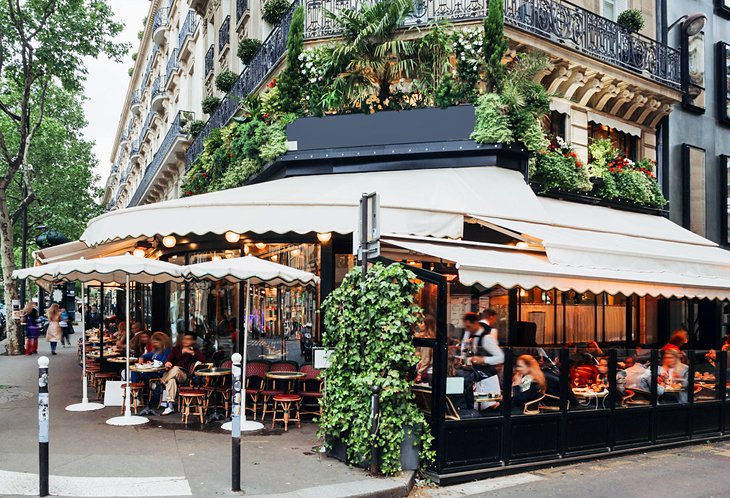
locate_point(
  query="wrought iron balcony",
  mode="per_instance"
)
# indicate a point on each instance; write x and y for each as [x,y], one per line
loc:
[158,94]
[188,28]
[136,101]
[556,20]
[134,152]
[147,125]
[176,131]
[173,64]
[224,34]
[209,61]
[159,25]
[272,51]
[241,8]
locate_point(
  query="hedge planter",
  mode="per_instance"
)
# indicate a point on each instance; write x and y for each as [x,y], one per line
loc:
[590,198]
[410,450]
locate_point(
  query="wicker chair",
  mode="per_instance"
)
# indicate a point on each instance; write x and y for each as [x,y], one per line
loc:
[274,386]
[310,389]
[255,383]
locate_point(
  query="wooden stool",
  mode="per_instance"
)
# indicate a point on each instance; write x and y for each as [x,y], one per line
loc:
[100,379]
[135,388]
[282,403]
[192,402]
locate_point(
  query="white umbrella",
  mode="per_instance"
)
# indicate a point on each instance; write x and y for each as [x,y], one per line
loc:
[113,269]
[252,271]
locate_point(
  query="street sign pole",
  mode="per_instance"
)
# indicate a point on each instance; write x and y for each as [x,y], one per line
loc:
[369,228]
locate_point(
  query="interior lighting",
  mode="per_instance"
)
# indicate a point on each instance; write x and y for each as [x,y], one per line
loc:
[324,237]
[232,237]
[169,241]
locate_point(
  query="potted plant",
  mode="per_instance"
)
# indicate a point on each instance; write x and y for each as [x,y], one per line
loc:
[370,327]
[274,11]
[247,48]
[210,104]
[225,81]
[631,19]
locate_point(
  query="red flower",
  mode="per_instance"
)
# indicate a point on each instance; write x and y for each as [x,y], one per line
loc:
[266,115]
[271,84]
[189,192]
[204,175]
[573,154]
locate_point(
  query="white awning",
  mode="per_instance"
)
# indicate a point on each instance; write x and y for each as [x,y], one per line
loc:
[429,202]
[77,249]
[509,268]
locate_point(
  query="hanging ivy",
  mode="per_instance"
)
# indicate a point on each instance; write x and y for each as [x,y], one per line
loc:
[370,329]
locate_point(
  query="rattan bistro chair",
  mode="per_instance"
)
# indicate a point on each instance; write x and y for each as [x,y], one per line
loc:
[310,389]
[255,383]
[275,386]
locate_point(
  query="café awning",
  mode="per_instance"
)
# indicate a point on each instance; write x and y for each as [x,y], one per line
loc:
[429,202]
[509,267]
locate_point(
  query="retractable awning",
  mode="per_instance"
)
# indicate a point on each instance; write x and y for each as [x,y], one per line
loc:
[429,202]
[509,267]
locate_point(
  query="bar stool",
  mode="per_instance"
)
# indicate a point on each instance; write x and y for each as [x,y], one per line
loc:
[135,388]
[192,402]
[282,404]
[100,380]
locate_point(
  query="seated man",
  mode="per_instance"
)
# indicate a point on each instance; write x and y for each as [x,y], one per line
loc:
[634,372]
[180,362]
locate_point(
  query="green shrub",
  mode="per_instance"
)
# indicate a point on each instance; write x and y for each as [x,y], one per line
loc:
[375,318]
[247,48]
[210,104]
[195,127]
[225,81]
[130,71]
[558,170]
[134,56]
[491,124]
[274,11]
[292,82]
[631,19]
[140,34]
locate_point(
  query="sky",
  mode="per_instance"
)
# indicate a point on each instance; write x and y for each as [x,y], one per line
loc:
[106,85]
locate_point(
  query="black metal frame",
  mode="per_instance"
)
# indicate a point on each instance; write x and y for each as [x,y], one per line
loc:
[724,161]
[722,74]
[687,100]
[687,184]
[722,8]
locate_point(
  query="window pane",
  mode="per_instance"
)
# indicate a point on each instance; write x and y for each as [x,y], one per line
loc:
[706,375]
[535,381]
[695,194]
[672,377]
[634,372]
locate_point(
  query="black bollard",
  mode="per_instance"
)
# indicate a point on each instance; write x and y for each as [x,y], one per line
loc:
[375,422]
[43,425]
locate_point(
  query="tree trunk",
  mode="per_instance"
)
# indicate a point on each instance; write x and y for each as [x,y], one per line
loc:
[7,259]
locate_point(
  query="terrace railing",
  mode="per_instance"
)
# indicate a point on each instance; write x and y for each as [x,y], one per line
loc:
[241,8]
[209,61]
[172,65]
[188,28]
[224,34]
[556,20]
[161,18]
[176,131]
[267,57]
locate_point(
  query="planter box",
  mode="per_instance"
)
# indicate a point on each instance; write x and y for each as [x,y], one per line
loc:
[409,451]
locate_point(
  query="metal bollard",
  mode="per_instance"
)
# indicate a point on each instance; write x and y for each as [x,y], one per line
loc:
[375,422]
[236,424]
[43,425]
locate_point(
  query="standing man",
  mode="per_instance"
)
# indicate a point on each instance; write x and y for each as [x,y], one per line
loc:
[480,355]
[489,322]
[179,365]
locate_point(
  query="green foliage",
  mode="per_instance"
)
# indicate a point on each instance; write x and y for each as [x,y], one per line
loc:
[225,81]
[135,55]
[195,127]
[492,124]
[631,19]
[140,34]
[247,48]
[468,48]
[495,46]
[292,81]
[130,71]
[210,104]
[432,64]
[313,66]
[369,325]
[561,169]
[274,11]
[370,57]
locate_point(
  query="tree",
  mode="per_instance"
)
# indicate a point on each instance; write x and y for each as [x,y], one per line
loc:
[292,80]
[42,43]
[495,46]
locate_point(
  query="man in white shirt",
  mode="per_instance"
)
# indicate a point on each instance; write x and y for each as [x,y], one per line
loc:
[480,355]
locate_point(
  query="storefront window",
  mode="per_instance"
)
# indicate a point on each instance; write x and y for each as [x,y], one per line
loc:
[672,377]
[707,373]
[626,143]
[633,377]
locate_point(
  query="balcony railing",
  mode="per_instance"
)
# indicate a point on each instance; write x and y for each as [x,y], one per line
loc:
[175,132]
[264,61]
[146,125]
[188,27]
[209,61]
[161,18]
[556,20]
[148,68]
[156,88]
[224,36]
[241,8]
[135,98]
[172,65]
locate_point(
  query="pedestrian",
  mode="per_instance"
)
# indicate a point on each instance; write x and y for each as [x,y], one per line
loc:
[65,328]
[29,317]
[54,333]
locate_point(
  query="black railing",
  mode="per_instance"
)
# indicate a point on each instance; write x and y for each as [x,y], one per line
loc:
[146,125]
[148,69]
[557,20]
[224,34]
[241,8]
[135,148]
[135,98]
[264,61]
[161,18]
[172,65]
[176,131]
[188,27]
[156,88]
[209,61]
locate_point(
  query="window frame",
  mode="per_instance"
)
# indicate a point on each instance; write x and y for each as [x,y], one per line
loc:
[724,164]
[722,8]
[687,187]
[688,102]
[722,54]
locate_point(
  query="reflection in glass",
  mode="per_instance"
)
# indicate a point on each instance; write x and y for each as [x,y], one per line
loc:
[706,375]
[695,71]
[694,173]
[672,377]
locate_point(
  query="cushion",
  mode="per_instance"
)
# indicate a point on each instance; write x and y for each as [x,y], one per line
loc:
[287,397]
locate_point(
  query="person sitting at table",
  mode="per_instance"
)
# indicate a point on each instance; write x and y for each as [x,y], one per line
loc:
[674,373]
[140,344]
[583,373]
[179,364]
[161,347]
[603,379]
[679,338]
[634,371]
[528,382]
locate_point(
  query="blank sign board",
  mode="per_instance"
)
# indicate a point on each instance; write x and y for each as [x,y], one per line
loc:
[322,357]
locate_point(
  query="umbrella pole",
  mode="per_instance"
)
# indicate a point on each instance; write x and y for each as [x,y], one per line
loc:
[84,405]
[246,321]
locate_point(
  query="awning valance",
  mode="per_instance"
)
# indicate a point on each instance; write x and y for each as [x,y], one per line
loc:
[429,202]
[509,268]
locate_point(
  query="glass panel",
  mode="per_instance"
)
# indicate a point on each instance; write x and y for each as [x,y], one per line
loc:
[706,365]
[535,381]
[723,66]
[633,377]
[580,317]
[614,318]
[538,307]
[672,377]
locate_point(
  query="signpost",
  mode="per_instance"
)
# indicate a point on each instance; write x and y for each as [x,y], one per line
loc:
[368,230]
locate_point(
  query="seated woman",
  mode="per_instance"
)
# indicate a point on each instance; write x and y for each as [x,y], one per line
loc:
[673,377]
[161,347]
[528,382]
[139,344]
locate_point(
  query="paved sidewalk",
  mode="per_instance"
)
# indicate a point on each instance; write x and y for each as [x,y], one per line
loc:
[164,452]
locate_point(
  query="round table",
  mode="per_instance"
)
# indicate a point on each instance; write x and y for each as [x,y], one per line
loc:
[122,359]
[589,395]
[213,373]
[140,368]
[107,355]
[285,375]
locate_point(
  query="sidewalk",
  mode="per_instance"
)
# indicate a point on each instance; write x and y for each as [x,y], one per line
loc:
[164,452]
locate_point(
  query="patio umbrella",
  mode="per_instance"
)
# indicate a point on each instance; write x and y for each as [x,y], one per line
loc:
[252,271]
[113,269]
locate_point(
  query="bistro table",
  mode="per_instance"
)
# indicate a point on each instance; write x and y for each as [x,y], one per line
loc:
[288,377]
[589,395]
[213,374]
[122,359]
[146,368]
[94,355]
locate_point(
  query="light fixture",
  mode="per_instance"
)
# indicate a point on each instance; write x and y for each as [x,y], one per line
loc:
[232,237]
[138,252]
[522,244]
[193,245]
[324,237]
[169,241]
[693,23]
[216,258]
[260,245]
[140,248]
[275,257]
[246,249]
